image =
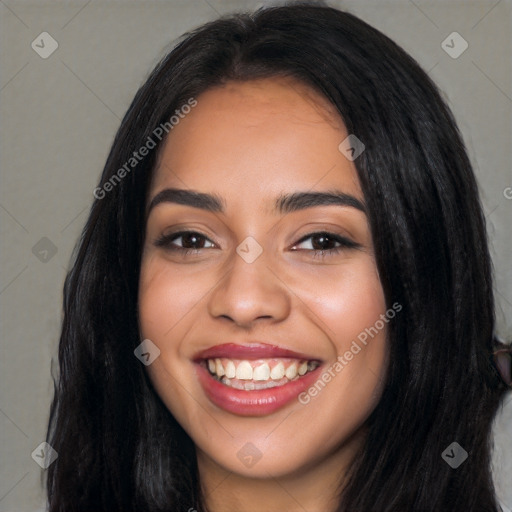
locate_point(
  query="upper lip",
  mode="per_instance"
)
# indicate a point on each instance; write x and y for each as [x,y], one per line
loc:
[253,350]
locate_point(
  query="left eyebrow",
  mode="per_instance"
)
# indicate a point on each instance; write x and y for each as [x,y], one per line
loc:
[285,203]
[288,203]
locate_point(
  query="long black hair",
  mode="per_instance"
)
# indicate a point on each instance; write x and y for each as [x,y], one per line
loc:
[119,447]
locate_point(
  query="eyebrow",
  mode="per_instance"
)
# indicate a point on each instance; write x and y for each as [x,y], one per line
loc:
[285,203]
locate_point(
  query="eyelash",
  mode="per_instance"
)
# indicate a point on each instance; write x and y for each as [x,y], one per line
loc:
[165,241]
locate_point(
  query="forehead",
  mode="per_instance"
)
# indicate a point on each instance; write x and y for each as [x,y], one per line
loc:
[253,140]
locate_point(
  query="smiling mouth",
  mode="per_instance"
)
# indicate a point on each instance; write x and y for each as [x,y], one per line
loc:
[254,379]
[259,374]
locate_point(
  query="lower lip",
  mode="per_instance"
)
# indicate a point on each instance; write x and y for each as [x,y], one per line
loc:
[253,403]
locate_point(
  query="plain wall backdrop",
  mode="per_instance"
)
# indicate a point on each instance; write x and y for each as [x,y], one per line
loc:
[59,115]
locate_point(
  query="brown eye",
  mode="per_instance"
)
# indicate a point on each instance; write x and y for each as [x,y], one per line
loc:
[186,240]
[323,243]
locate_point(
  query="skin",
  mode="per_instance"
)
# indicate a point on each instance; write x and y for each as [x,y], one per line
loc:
[248,143]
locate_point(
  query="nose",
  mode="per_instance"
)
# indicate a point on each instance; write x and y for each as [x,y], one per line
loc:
[250,292]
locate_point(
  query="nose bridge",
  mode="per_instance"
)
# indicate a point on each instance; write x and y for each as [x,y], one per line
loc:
[249,289]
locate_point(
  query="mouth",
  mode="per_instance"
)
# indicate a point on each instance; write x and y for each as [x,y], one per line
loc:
[255,379]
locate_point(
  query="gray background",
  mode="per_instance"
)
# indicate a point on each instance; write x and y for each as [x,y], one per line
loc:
[58,119]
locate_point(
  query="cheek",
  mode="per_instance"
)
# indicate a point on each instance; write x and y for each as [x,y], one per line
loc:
[349,305]
[355,307]
[348,299]
[166,296]
[164,300]
[160,313]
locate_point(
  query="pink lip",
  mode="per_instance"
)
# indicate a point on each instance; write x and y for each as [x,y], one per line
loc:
[252,403]
[250,351]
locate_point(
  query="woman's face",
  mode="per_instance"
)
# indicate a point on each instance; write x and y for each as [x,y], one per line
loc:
[279,298]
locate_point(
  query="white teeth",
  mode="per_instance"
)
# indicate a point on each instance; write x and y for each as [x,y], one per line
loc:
[230,370]
[236,384]
[277,372]
[244,371]
[291,371]
[261,372]
[249,386]
[219,369]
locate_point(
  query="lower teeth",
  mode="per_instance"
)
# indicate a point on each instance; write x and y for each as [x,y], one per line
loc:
[254,385]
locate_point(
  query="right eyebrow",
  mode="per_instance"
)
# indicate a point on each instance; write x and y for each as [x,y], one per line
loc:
[209,202]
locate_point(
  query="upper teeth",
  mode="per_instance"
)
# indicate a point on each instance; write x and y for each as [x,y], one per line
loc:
[260,370]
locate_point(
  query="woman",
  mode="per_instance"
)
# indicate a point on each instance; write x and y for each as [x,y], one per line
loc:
[282,299]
